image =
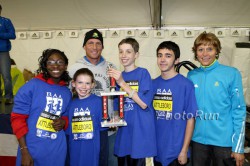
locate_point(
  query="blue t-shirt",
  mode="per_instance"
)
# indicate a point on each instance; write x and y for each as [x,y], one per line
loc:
[137,139]
[85,116]
[174,103]
[43,102]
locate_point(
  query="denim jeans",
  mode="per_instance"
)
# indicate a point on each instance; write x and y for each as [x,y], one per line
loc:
[5,66]
[205,154]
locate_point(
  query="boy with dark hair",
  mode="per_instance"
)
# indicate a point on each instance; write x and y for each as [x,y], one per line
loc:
[175,107]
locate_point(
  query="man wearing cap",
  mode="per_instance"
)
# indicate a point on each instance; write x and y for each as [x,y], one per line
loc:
[7,32]
[93,60]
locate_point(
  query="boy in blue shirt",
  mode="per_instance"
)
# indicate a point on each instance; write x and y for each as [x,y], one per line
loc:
[175,107]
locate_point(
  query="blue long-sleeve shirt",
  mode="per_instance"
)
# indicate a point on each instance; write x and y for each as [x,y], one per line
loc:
[221,116]
[7,32]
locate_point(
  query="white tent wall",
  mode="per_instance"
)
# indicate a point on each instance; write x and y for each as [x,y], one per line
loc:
[27,51]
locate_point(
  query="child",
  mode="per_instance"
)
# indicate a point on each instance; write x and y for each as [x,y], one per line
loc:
[175,106]
[85,115]
[37,119]
[136,141]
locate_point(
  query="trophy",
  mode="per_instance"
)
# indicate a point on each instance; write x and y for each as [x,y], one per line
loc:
[113,121]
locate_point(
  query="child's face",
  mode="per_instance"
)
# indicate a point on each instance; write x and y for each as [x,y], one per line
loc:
[166,60]
[206,54]
[127,55]
[83,85]
[56,67]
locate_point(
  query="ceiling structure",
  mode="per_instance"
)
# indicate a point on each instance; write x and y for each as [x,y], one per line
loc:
[84,14]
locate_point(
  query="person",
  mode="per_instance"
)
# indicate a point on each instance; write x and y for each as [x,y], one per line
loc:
[85,110]
[136,141]
[220,123]
[93,46]
[38,113]
[16,76]
[7,32]
[175,106]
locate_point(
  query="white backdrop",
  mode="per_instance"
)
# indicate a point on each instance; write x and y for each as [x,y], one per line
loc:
[26,51]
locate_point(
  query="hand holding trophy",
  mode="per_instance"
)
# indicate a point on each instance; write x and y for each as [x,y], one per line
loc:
[114,121]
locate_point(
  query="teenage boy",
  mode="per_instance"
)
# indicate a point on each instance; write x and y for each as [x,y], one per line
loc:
[175,107]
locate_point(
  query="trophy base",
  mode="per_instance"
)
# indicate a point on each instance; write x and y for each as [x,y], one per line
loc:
[114,123]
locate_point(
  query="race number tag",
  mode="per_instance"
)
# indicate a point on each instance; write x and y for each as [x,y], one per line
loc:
[44,125]
[82,127]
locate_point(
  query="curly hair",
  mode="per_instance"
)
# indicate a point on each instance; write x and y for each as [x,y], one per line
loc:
[43,66]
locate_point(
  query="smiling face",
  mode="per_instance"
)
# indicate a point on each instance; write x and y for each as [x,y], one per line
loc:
[93,48]
[56,66]
[127,56]
[206,54]
[166,60]
[83,85]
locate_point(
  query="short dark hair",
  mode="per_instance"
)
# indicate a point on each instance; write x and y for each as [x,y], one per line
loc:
[0,7]
[170,46]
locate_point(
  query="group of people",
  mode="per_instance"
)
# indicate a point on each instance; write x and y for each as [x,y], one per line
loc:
[58,125]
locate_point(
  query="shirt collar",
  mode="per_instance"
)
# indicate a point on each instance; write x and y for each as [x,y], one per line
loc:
[100,61]
[210,67]
[49,80]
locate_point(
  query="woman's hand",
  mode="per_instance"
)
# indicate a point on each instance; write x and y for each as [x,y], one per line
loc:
[26,158]
[182,158]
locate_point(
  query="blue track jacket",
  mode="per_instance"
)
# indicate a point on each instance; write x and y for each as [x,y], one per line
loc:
[221,116]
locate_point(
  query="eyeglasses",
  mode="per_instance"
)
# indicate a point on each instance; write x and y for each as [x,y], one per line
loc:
[58,62]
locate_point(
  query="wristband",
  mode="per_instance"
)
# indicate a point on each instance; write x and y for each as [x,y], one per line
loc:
[132,93]
[25,147]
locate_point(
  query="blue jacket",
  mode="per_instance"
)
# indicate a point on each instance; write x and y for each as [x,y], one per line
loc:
[7,32]
[221,116]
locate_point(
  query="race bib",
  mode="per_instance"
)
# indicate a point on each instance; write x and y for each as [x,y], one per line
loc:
[44,125]
[163,103]
[82,127]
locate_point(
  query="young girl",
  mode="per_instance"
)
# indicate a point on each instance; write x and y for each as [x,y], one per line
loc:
[85,115]
[37,119]
[137,140]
